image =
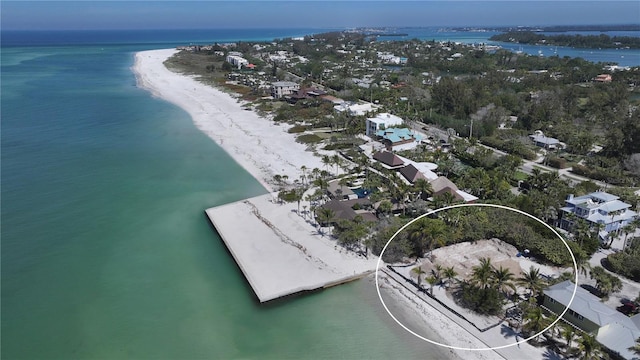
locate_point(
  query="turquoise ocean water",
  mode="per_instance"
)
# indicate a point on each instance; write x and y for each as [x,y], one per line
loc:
[106,252]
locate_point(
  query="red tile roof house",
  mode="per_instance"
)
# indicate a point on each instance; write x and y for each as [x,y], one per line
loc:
[603,78]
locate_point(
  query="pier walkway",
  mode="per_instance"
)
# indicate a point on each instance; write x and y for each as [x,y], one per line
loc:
[281,252]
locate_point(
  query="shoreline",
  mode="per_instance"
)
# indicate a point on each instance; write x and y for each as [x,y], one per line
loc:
[261,147]
[242,135]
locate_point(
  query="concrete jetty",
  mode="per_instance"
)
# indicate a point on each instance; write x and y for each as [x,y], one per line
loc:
[280,251]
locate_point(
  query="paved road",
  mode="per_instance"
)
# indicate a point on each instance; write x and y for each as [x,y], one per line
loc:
[527,166]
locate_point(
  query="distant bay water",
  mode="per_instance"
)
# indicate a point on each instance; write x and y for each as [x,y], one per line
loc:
[106,252]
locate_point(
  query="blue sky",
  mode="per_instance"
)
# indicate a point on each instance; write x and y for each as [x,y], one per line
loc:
[46,15]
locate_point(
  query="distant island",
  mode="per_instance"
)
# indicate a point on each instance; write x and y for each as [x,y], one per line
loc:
[601,41]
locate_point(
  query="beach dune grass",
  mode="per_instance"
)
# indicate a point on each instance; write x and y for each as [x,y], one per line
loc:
[308,139]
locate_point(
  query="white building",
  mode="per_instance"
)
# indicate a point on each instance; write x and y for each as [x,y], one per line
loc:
[381,122]
[283,88]
[237,61]
[598,208]
[356,109]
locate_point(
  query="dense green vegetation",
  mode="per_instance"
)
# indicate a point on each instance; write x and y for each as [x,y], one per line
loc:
[475,223]
[601,41]
[627,262]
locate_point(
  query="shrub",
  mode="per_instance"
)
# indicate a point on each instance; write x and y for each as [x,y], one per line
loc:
[297,129]
[487,301]
[557,162]
[624,264]
[309,139]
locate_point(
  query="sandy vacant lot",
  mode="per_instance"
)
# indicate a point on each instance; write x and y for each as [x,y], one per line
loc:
[464,256]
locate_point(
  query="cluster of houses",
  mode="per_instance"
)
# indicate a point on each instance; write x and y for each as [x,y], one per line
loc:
[387,131]
[612,329]
[390,58]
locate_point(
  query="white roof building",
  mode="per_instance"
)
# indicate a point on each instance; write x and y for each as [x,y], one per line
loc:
[356,109]
[381,122]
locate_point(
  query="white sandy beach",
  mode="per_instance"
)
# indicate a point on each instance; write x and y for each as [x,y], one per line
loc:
[286,243]
[257,144]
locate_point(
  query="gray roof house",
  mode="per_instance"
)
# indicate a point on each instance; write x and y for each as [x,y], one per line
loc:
[598,208]
[546,142]
[614,330]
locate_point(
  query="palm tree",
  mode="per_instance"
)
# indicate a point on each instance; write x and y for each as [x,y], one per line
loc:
[589,348]
[422,187]
[336,160]
[304,174]
[481,274]
[418,271]
[628,229]
[323,184]
[535,321]
[532,281]
[582,260]
[636,348]
[315,173]
[432,280]
[437,271]
[400,191]
[385,207]
[503,280]
[450,274]
[568,333]
[605,283]
[326,161]
[324,216]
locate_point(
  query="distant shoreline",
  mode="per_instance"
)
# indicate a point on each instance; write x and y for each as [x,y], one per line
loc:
[555,28]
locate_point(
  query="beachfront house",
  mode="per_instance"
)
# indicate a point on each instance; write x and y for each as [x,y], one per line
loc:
[388,159]
[614,330]
[600,209]
[380,122]
[340,192]
[412,174]
[349,209]
[280,89]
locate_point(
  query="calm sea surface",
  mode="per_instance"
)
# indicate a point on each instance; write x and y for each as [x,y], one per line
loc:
[106,252]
